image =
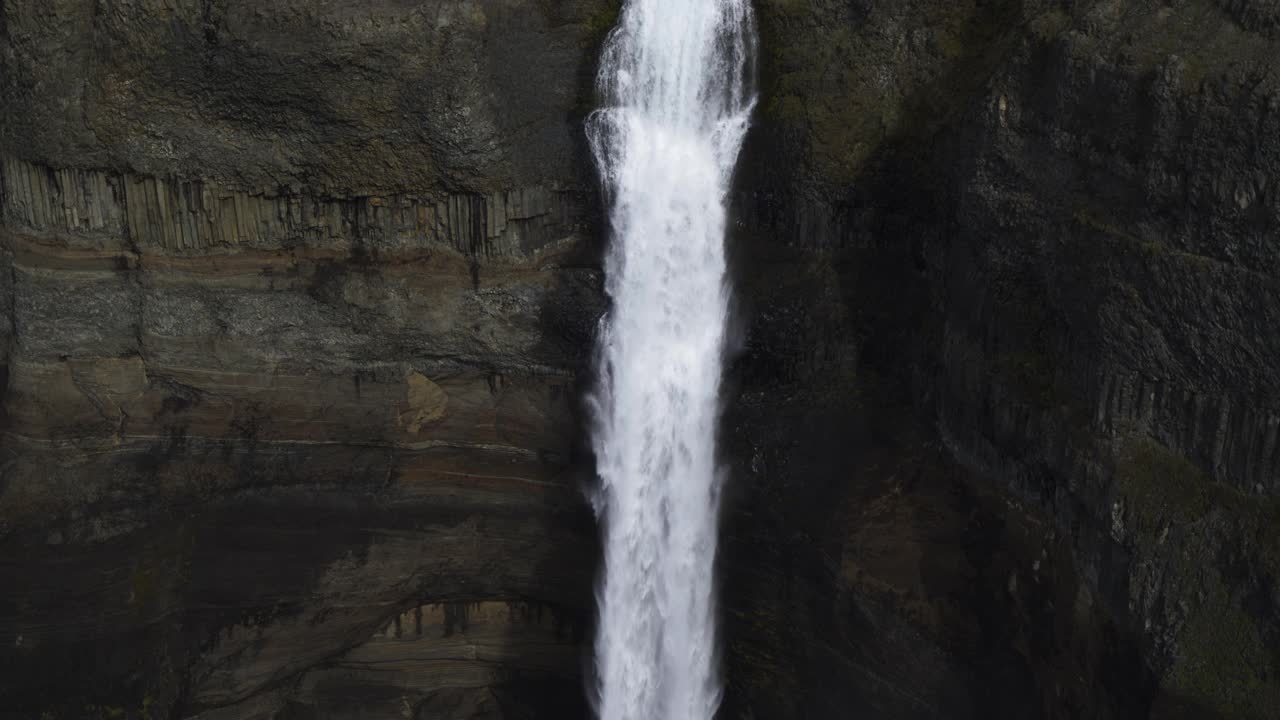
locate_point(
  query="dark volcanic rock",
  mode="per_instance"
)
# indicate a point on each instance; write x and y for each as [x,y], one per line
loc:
[1050,229]
[298,301]
[296,297]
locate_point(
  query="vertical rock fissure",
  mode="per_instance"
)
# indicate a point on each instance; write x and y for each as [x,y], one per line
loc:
[676,99]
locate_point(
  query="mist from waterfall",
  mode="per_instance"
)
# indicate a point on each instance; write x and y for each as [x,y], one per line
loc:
[675,85]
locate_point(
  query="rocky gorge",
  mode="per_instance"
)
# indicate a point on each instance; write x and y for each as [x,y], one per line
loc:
[299,302]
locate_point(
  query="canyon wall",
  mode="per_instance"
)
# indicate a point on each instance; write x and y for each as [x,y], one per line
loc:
[1047,231]
[299,302]
[296,300]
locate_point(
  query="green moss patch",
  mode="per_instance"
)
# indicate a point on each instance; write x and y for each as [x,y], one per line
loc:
[598,24]
[1184,527]
[1225,663]
[851,83]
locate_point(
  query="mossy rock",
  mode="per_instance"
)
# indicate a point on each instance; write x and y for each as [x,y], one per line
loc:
[597,25]
[849,82]
[1213,553]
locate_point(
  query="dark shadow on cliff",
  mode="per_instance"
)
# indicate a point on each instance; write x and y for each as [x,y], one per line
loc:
[865,571]
[116,624]
[570,326]
[179,611]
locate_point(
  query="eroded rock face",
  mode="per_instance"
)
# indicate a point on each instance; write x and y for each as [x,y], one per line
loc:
[298,308]
[296,302]
[1046,226]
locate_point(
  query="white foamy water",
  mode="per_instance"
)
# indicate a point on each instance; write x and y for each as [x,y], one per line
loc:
[674,79]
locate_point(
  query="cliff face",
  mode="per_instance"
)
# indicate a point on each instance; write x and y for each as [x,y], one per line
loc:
[1049,230]
[295,300]
[299,303]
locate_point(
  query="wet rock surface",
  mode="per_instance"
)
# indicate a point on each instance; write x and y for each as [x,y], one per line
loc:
[298,311]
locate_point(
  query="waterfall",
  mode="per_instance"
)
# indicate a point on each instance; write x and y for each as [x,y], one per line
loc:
[674,80]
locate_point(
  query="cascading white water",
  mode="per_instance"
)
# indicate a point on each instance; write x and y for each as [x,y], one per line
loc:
[674,78]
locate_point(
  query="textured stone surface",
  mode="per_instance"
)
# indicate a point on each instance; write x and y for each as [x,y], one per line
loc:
[298,301]
[1051,227]
[295,302]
